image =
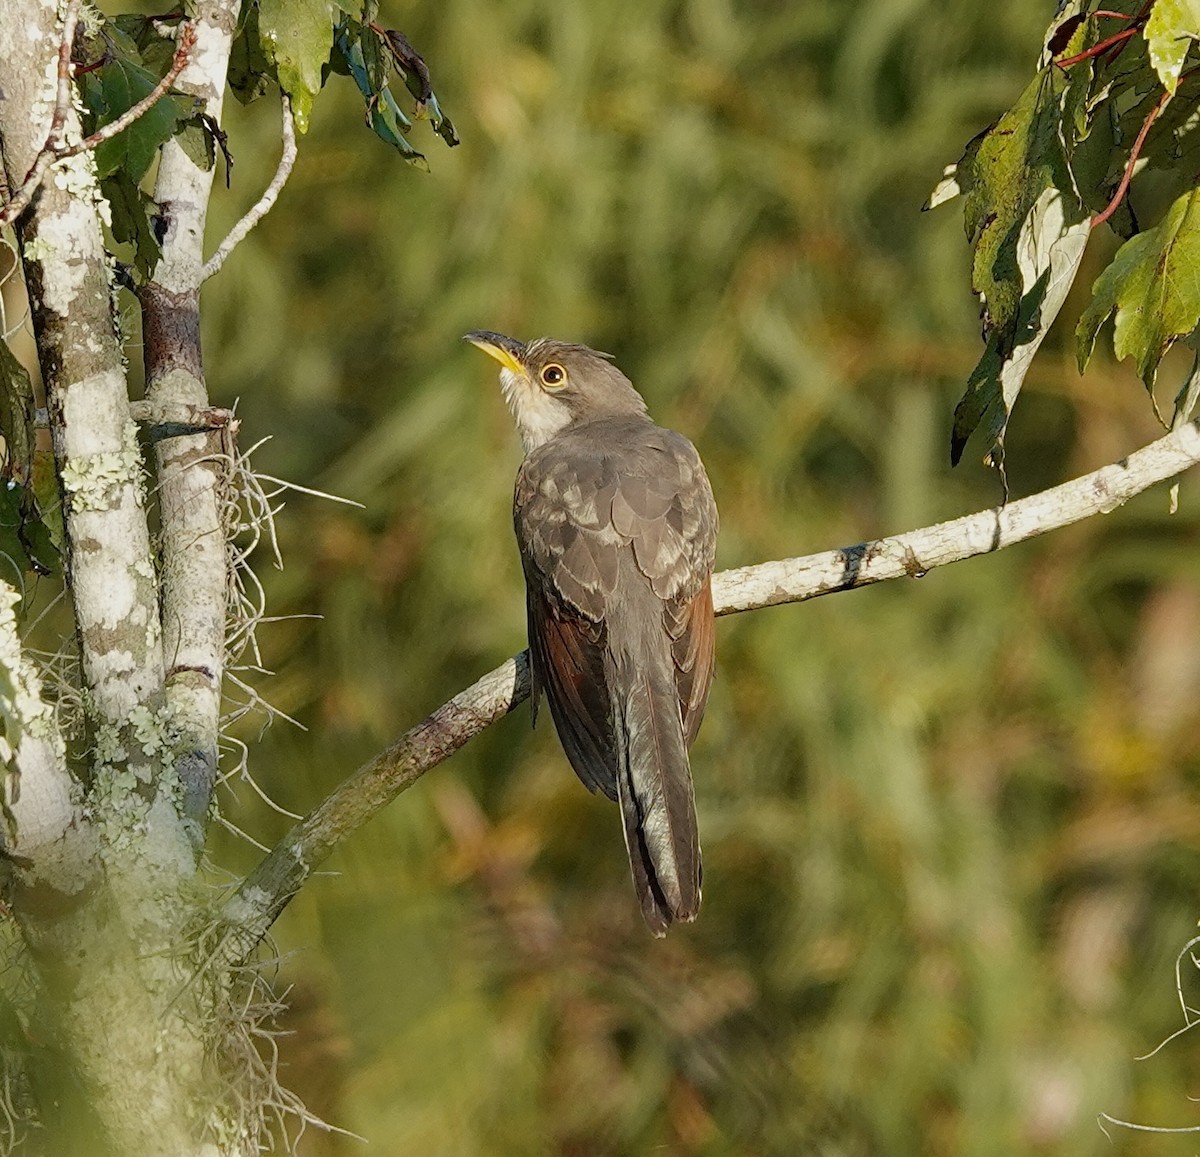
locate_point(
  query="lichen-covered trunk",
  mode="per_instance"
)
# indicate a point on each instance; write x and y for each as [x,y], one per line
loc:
[116,1069]
[115,1022]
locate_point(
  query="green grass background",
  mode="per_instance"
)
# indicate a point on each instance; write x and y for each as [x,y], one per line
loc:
[950,825]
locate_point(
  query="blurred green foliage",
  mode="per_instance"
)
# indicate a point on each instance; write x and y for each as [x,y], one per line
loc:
[950,825]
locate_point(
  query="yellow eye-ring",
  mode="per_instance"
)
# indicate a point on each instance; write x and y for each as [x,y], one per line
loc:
[553,376]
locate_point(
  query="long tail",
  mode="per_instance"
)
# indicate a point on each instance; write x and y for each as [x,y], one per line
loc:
[654,787]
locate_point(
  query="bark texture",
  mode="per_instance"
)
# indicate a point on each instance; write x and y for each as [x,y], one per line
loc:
[192,469]
[102,869]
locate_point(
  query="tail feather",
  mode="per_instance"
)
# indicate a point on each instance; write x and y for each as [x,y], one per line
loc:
[654,786]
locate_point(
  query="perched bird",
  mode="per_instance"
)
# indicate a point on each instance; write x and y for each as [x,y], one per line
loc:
[617,530]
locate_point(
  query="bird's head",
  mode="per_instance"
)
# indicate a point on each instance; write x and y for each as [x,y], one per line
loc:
[552,385]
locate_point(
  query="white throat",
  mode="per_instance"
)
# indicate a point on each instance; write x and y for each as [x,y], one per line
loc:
[538,415]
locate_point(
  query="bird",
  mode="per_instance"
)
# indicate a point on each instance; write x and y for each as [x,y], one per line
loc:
[616,525]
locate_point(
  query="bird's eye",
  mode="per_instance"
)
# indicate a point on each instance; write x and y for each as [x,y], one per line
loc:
[553,376]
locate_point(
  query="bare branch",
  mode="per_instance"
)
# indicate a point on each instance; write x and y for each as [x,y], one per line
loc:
[269,888]
[166,421]
[913,554]
[55,149]
[266,892]
[263,206]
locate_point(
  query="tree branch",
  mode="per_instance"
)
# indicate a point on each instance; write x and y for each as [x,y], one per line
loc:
[919,551]
[281,874]
[262,207]
[191,466]
[56,148]
[47,837]
[48,153]
[109,565]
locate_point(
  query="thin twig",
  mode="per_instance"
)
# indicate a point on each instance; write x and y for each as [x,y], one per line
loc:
[239,232]
[283,485]
[62,102]
[83,69]
[1188,1013]
[1145,1128]
[1127,176]
[1184,951]
[1162,1044]
[1097,49]
[55,149]
[62,105]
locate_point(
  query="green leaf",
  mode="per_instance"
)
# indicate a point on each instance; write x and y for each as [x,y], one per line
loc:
[367,55]
[41,550]
[1028,228]
[1153,286]
[16,416]
[1049,249]
[1081,78]
[412,67]
[1095,175]
[132,210]
[45,491]
[982,404]
[1087,130]
[1170,30]
[297,36]
[374,59]
[196,140]
[383,113]
[145,33]
[1188,395]
[123,82]
[250,72]
[442,124]
[25,539]
[1002,174]
[13,560]
[1063,28]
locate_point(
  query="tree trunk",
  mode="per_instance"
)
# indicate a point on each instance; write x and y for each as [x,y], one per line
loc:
[116,1024]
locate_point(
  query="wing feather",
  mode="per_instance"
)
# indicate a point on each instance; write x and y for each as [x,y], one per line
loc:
[692,650]
[568,665]
[623,517]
